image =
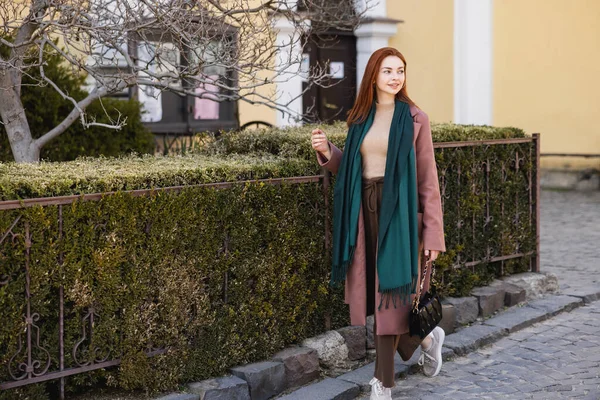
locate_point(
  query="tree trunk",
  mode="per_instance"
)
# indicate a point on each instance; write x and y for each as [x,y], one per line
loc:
[24,149]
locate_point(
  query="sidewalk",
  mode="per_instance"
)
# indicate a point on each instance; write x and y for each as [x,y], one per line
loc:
[555,359]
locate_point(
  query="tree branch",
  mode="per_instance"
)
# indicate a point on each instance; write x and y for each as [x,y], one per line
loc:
[73,115]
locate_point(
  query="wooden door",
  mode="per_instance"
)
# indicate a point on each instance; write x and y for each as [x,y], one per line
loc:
[337,53]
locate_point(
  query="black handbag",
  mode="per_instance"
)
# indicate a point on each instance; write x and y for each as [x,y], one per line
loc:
[426,313]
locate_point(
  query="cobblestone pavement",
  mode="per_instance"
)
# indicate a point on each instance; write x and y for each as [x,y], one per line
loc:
[570,234]
[555,359]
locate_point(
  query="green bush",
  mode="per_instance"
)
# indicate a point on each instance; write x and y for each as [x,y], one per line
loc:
[45,108]
[486,214]
[221,276]
[95,175]
[294,142]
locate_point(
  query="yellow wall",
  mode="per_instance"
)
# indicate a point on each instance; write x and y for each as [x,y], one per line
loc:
[250,112]
[425,38]
[546,79]
[428,51]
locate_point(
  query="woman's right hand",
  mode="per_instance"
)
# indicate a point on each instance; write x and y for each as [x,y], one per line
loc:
[320,143]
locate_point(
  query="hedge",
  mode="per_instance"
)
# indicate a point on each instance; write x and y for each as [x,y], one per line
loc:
[468,195]
[104,174]
[294,142]
[223,277]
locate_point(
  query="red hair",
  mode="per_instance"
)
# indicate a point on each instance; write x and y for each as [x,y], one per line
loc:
[366,94]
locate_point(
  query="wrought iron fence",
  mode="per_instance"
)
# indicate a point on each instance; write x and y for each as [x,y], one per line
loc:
[478,226]
[32,361]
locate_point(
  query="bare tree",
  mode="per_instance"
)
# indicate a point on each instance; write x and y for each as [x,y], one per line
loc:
[230,46]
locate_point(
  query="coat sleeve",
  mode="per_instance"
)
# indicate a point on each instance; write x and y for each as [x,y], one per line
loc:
[334,162]
[429,187]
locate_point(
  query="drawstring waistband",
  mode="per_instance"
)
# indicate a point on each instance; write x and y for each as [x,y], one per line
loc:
[370,184]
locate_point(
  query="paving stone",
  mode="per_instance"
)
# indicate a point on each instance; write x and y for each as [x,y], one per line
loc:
[517,318]
[490,299]
[556,304]
[473,337]
[356,341]
[265,379]
[331,348]
[466,308]
[223,388]
[301,365]
[327,389]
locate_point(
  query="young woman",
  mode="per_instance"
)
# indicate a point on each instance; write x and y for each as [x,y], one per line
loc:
[387,212]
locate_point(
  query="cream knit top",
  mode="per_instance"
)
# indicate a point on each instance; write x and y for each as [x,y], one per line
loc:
[375,144]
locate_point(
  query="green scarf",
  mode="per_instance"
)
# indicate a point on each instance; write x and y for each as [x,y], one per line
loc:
[397,254]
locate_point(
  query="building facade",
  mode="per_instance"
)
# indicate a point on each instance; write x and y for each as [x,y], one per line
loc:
[526,63]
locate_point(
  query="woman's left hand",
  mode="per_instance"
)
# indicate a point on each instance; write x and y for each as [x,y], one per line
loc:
[431,255]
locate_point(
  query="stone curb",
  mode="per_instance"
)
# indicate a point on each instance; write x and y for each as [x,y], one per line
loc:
[327,389]
[473,337]
[587,293]
[350,385]
[363,375]
[180,396]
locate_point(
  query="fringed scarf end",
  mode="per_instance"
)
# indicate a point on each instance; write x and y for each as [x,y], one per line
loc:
[401,293]
[338,272]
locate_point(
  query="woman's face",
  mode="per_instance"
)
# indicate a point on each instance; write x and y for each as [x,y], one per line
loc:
[390,77]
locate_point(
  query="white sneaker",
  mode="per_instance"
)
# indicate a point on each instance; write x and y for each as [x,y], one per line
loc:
[431,360]
[378,392]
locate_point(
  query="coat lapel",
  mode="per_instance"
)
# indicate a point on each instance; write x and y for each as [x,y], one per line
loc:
[414,110]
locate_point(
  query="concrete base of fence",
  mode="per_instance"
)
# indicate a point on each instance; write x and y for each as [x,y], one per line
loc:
[448,322]
[513,294]
[331,348]
[535,284]
[265,379]
[465,308]
[301,365]
[490,298]
[356,341]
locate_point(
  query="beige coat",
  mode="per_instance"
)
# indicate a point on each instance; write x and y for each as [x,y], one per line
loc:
[394,321]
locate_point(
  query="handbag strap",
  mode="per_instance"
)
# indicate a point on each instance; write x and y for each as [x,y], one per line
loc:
[420,287]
